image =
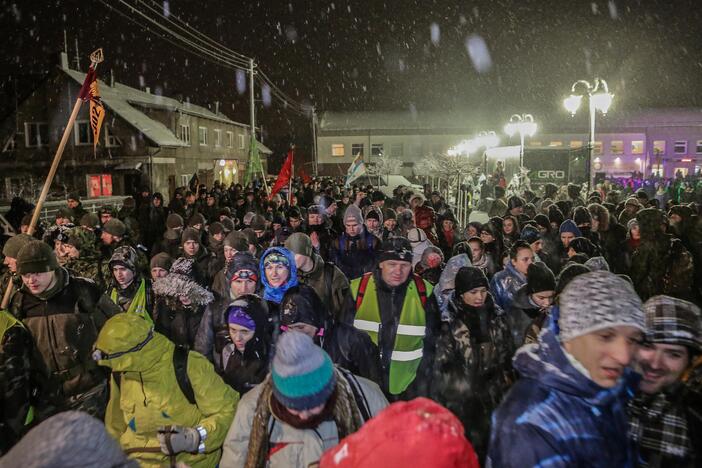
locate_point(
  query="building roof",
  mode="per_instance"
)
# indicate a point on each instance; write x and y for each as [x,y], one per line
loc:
[402,120]
[122,100]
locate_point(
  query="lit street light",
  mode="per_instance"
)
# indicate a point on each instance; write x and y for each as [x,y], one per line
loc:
[599,99]
[526,127]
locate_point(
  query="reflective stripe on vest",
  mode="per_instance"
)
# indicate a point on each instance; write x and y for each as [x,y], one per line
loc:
[408,348]
[138,304]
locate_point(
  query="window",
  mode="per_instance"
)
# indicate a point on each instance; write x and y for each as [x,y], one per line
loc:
[36,134]
[681,171]
[230,139]
[83,134]
[598,147]
[555,144]
[9,144]
[202,136]
[242,142]
[698,148]
[396,150]
[99,185]
[356,149]
[376,149]
[111,141]
[575,144]
[657,170]
[185,134]
[659,147]
[616,147]
[637,147]
[338,150]
[218,137]
[680,147]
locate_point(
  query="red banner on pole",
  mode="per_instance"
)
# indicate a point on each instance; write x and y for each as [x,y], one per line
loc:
[285,174]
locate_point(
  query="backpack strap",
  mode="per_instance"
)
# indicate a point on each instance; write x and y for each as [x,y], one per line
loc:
[421,289]
[358,394]
[362,289]
[180,365]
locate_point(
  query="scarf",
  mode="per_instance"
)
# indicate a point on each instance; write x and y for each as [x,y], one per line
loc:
[344,412]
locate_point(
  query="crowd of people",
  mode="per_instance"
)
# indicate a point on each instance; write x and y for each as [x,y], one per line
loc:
[340,326]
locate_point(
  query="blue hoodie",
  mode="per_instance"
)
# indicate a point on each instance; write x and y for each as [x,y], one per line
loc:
[557,417]
[569,226]
[276,294]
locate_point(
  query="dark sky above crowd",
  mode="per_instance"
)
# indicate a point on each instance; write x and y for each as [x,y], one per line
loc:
[498,55]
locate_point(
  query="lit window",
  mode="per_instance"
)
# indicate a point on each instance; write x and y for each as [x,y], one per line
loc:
[534,143]
[657,170]
[396,150]
[575,144]
[376,149]
[202,136]
[36,134]
[616,147]
[230,139]
[680,147]
[598,147]
[83,134]
[637,147]
[555,144]
[659,147]
[218,137]
[338,150]
[185,134]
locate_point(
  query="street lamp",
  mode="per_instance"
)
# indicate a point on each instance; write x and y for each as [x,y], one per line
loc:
[599,98]
[526,127]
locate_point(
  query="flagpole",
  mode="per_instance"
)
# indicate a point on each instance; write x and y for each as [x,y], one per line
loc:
[292,174]
[96,58]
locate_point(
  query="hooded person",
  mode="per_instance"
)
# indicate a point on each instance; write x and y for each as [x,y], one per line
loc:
[472,370]
[234,242]
[303,407]
[320,230]
[244,342]
[419,242]
[328,281]
[167,405]
[129,290]
[170,243]
[418,433]
[504,284]
[180,303]
[390,226]
[447,282]
[532,301]
[354,251]
[568,407]
[665,417]
[373,219]
[431,265]
[303,311]
[241,278]
[192,249]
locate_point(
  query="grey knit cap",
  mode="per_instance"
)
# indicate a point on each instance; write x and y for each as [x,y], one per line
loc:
[71,438]
[115,227]
[299,243]
[597,300]
[597,264]
[353,212]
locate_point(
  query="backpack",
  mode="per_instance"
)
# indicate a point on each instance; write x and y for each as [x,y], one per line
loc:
[180,366]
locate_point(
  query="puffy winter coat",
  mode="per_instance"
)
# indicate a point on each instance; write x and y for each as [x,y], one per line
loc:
[149,396]
[504,285]
[555,416]
[290,447]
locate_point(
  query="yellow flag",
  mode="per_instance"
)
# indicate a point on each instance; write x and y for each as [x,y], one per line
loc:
[97,113]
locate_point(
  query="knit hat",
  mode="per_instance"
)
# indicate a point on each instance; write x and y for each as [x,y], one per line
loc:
[416,235]
[89,220]
[542,220]
[633,201]
[597,300]
[237,315]
[468,278]
[302,373]
[417,433]
[396,248]
[196,219]
[228,224]
[251,237]
[568,273]
[631,223]
[597,264]
[673,321]
[190,234]
[172,235]
[243,265]
[569,226]
[258,223]
[583,245]
[555,215]
[64,212]
[237,241]
[581,216]
[36,257]
[301,304]
[540,278]
[515,202]
[161,260]
[125,256]
[115,227]
[174,221]
[425,261]
[378,196]
[248,217]
[530,235]
[15,243]
[299,243]
[389,213]
[83,442]
[373,214]
[353,213]
[216,228]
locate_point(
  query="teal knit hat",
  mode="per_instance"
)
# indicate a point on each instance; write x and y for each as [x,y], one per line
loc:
[303,374]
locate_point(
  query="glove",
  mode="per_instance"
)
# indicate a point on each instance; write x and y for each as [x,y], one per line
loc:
[176,439]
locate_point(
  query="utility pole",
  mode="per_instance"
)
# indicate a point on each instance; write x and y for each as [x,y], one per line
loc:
[77,56]
[253,120]
[314,140]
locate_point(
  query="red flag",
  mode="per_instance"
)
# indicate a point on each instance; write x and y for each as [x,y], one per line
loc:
[305,178]
[285,174]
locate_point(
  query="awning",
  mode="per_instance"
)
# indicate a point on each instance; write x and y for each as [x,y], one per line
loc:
[129,166]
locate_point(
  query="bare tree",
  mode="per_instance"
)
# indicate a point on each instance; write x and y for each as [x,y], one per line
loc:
[384,165]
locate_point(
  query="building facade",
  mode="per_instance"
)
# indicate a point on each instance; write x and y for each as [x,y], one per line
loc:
[147,140]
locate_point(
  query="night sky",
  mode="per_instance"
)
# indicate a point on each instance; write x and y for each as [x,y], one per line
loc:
[500,56]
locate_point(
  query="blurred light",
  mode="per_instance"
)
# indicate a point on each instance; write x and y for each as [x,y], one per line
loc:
[597,159]
[617,160]
[227,172]
[637,160]
[602,101]
[686,160]
[479,53]
[222,162]
[233,169]
[572,103]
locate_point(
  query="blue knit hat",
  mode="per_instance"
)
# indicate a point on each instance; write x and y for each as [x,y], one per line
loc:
[302,373]
[569,226]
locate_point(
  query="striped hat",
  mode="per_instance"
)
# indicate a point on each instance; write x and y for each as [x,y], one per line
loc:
[302,373]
